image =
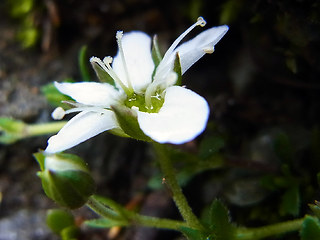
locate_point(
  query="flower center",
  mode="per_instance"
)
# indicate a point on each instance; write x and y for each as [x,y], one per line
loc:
[138,101]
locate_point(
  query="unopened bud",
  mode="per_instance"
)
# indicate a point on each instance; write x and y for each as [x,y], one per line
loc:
[65,179]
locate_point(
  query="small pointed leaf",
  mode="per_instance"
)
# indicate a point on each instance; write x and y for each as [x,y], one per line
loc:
[219,221]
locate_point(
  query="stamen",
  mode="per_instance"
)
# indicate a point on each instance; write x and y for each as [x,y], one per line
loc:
[119,36]
[105,65]
[87,109]
[200,22]
[58,113]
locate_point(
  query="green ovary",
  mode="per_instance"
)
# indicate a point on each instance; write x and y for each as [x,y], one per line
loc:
[138,100]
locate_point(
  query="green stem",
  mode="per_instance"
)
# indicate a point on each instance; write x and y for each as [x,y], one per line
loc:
[131,217]
[43,128]
[270,230]
[177,194]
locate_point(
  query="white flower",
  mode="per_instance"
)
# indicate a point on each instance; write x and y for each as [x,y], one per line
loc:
[163,111]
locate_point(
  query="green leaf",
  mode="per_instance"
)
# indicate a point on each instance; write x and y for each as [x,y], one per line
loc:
[310,229]
[193,234]
[82,59]
[177,69]
[210,146]
[58,219]
[105,223]
[102,75]
[219,222]
[290,204]
[53,96]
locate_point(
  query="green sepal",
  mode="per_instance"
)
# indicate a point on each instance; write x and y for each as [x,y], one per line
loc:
[105,223]
[156,55]
[82,60]
[177,69]
[58,219]
[102,75]
[128,122]
[65,179]
[69,189]
[40,157]
[53,96]
[310,229]
[219,222]
[193,234]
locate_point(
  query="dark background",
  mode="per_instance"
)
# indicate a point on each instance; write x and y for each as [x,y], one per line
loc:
[262,84]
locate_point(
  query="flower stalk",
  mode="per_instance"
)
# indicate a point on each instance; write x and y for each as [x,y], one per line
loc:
[177,194]
[132,218]
[269,230]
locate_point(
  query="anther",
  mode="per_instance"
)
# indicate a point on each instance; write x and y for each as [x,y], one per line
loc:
[201,22]
[58,113]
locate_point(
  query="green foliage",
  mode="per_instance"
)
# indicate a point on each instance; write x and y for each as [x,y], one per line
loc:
[24,12]
[310,229]
[283,147]
[210,146]
[83,61]
[58,219]
[11,130]
[53,96]
[193,234]
[230,11]
[62,223]
[219,222]
[290,202]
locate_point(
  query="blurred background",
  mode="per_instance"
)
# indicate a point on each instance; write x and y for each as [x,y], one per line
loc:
[260,152]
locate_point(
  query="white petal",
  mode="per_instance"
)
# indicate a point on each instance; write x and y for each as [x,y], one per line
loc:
[137,51]
[191,51]
[90,93]
[83,126]
[183,117]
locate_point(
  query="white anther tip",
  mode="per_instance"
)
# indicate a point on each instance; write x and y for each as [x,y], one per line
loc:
[58,113]
[94,59]
[201,22]
[119,35]
[107,60]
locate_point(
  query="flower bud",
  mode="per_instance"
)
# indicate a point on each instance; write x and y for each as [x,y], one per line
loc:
[65,179]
